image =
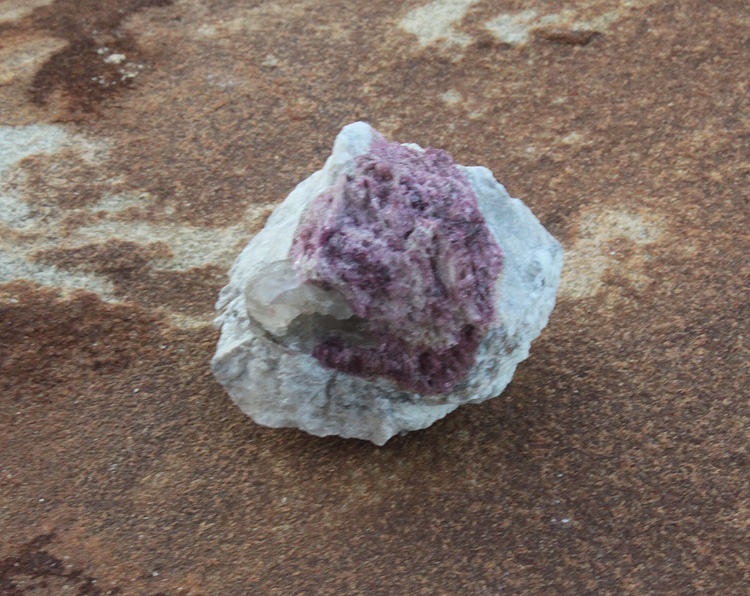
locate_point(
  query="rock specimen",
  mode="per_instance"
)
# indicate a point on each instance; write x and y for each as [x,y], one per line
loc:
[388,288]
[402,241]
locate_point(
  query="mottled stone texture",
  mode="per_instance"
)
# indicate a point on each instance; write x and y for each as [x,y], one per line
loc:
[401,238]
[616,462]
[387,289]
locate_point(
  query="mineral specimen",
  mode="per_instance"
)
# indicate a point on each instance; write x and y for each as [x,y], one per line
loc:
[387,289]
[402,241]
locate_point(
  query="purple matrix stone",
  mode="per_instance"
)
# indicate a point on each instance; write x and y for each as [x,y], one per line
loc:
[402,240]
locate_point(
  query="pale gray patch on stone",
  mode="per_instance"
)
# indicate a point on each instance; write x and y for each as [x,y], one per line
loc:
[17,142]
[27,228]
[183,321]
[15,10]
[451,97]
[435,22]
[513,28]
[19,61]
[591,254]
[118,202]
[191,246]
[15,266]
[14,213]
[279,386]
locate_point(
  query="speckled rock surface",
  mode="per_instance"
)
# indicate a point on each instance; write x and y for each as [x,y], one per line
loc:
[616,462]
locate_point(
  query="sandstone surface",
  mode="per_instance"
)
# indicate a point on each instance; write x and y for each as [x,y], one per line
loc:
[615,462]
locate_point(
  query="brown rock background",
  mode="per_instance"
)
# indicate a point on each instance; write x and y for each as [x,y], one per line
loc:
[143,142]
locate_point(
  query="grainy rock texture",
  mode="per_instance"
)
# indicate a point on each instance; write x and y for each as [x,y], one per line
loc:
[471,302]
[401,239]
[616,461]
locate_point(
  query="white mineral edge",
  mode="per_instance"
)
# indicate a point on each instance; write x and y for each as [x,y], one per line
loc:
[280,387]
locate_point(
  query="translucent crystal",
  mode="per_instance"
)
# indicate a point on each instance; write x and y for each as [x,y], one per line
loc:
[277,295]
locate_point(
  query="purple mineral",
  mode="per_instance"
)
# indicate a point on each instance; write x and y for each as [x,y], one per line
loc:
[402,240]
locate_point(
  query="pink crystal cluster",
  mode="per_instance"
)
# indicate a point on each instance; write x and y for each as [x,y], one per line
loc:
[403,241]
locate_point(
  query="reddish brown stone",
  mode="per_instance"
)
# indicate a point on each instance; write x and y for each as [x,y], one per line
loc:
[570,37]
[617,461]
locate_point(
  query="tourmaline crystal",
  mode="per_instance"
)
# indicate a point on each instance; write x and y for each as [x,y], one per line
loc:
[402,240]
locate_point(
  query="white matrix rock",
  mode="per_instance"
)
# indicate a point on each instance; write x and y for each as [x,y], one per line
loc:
[267,319]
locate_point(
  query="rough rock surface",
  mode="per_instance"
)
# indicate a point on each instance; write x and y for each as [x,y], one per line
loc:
[297,323]
[616,461]
[402,241]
